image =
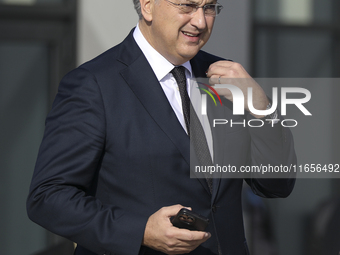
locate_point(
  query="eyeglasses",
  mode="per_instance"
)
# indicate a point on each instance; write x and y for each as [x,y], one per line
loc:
[208,9]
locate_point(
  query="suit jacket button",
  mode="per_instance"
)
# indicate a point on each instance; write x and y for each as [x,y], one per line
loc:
[214,208]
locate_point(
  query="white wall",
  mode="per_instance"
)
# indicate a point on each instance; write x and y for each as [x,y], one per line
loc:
[231,35]
[102,25]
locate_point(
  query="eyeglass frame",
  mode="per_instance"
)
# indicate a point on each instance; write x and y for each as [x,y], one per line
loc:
[196,7]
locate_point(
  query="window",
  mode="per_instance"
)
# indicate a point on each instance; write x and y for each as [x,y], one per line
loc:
[37,47]
[296,38]
[301,39]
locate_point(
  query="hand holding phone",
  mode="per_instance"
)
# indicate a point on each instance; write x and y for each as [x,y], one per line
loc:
[190,220]
[162,236]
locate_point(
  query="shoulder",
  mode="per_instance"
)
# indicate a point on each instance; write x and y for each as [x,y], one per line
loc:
[103,61]
[103,68]
[115,58]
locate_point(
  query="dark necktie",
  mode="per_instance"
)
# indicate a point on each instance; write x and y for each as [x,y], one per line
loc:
[192,122]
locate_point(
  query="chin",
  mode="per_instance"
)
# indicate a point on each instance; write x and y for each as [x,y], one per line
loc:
[187,57]
[190,53]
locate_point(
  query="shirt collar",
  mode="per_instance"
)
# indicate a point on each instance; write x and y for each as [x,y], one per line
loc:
[159,64]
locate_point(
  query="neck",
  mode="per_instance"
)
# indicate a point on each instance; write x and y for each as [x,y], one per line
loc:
[145,28]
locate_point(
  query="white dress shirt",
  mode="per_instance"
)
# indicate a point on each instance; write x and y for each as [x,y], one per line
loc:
[162,68]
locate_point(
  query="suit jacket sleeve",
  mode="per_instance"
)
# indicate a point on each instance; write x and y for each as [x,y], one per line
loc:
[268,145]
[272,146]
[61,197]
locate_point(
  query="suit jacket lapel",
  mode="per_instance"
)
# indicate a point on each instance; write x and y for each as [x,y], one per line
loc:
[141,79]
[143,82]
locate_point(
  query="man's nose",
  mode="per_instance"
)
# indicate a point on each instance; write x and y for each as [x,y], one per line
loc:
[198,19]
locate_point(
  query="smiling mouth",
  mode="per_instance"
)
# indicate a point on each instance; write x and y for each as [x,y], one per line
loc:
[191,35]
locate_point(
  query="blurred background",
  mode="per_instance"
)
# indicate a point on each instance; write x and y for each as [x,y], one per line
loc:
[41,40]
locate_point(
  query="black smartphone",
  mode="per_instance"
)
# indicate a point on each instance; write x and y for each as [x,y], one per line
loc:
[190,220]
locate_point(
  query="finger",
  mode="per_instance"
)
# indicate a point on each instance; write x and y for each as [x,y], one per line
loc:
[217,70]
[219,67]
[184,240]
[228,69]
[187,244]
[215,79]
[190,235]
[220,79]
[170,211]
[192,244]
[226,72]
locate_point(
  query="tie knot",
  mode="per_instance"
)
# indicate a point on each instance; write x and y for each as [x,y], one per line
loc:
[179,74]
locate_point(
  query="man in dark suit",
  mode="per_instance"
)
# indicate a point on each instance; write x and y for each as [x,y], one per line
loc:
[113,166]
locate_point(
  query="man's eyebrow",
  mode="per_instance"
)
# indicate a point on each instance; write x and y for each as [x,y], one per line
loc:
[200,2]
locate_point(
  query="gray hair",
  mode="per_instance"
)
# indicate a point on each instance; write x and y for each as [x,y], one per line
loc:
[137,8]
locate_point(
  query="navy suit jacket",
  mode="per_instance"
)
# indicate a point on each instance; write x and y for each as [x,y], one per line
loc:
[114,152]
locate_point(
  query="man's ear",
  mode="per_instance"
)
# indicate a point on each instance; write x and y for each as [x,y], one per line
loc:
[147,7]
